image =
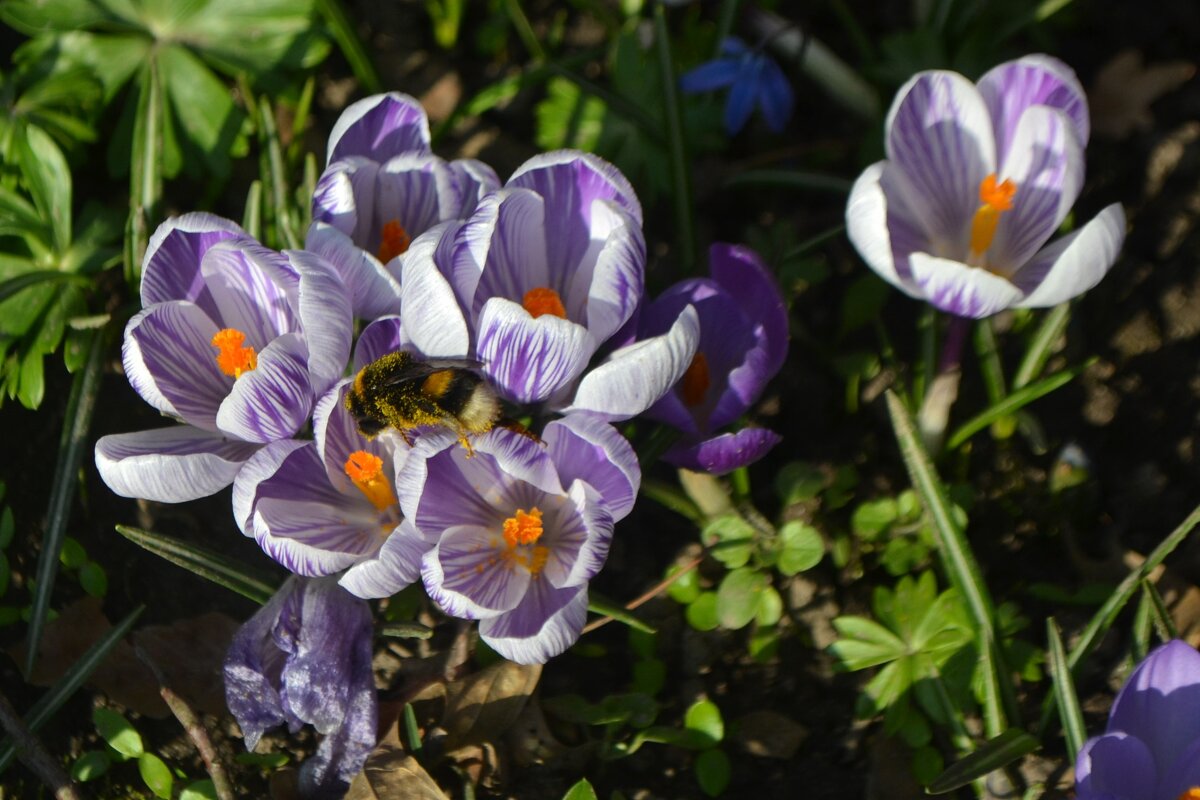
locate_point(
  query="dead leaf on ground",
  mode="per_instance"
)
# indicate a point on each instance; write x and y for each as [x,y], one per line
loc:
[190,653]
[769,734]
[392,774]
[484,705]
[1125,88]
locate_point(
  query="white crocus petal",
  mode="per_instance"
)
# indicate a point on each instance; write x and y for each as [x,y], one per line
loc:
[587,448]
[616,282]
[634,377]
[961,290]
[436,326]
[394,567]
[170,465]
[325,317]
[272,400]
[263,466]
[548,621]
[1075,263]
[374,292]
[528,358]
[463,575]
[313,538]
[867,227]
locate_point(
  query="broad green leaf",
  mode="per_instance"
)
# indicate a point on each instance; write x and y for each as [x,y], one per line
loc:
[90,765]
[686,588]
[18,217]
[702,614]
[738,597]
[649,676]
[567,117]
[865,643]
[117,732]
[202,105]
[874,517]
[156,775]
[236,36]
[580,791]
[72,555]
[890,684]
[200,790]
[770,608]
[802,548]
[93,579]
[998,752]
[32,381]
[49,178]
[35,16]
[111,58]
[730,538]
[202,561]
[927,764]
[704,717]
[712,771]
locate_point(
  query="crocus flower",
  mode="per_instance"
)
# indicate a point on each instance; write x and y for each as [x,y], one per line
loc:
[1151,748]
[743,343]
[234,340]
[977,178]
[305,658]
[753,79]
[520,527]
[543,275]
[382,188]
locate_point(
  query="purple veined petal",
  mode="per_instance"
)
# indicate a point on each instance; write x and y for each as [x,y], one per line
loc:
[373,291]
[336,436]
[466,575]
[417,191]
[1115,765]
[633,378]
[475,179]
[580,542]
[587,448]
[1175,779]
[775,97]
[325,316]
[1015,86]
[710,75]
[547,622]
[171,266]
[252,667]
[741,272]
[394,567]
[262,467]
[961,290]
[335,201]
[272,400]
[514,258]
[1074,263]
[384,335]
[721,454]
[436,326]
[379,127]
[739,103]
[1046,163]
[170,361]
[939,136]
[527,358]
[314,539]
[879,229]
[1159,702]
[515,458]
[170,465]
[610,286]
[251,290]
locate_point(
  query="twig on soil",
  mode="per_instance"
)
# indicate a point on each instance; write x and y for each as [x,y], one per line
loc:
[655,591]
[34,755]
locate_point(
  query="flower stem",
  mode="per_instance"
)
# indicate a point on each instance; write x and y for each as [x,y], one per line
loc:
[942,392]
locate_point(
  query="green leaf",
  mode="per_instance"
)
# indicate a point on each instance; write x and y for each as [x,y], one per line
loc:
[738,597]
[649,676]
[704,718]
[567,117]
[702,614]
[36,16]
[927,764]
[49,178]
[803,548]
[598,604]
[865,643]
[344,33]
[93,579]
[206,563]
[236,36]
[681,168]
[799,482]
[1013,403]
[863,301]
[874,517]
[712,771]
[200,790]
[118,732]
[1054,324]
[770,608]
[190,85]
[994,754]
[156,775]
[686,588]
[1064,690]
[90,765]
[730,538]
[72,555]
[581,791]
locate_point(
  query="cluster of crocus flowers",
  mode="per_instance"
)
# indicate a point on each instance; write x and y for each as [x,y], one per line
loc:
[1151,747]
[978,178]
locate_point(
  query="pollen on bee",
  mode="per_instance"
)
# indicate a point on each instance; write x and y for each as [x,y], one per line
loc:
[232,358]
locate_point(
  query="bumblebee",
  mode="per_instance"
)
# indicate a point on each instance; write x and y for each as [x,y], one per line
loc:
[403,392]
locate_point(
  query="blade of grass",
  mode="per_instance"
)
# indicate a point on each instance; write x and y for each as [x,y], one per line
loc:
[71,446]
[201,561]
[994,754]
[52,700]
[960,565]
[145,171]
[1159,615]
[1013,403]
[351,46]
[1052,327]
[607,608]
[676,145]
[252,216]
[1143,628]
[278,175]
[1064,690]
[516,15]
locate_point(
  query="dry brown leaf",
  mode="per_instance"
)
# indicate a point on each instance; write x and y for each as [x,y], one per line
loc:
[484,705]
[392,774]
[769,734]
[1125,88]
[190,653]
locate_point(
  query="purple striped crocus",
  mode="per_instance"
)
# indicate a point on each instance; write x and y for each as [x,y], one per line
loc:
[234,340]
[305,658]
[539,280]
[743,343]
[1151,748]
[977,179]
[520,527]
[382,187]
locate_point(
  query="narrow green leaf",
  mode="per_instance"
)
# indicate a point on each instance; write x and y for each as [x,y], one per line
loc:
[959,562]
[411,730]
[1064,690]
[605,607]
[676,146]
[1047,335]
[49,178]
[992,755]
[351,46]
[405,630]
[72,444]
[19,283]
[1159,615]
[74,677]
[278,176]
[252,216]
[146,168]
[1013,403]
[206,563]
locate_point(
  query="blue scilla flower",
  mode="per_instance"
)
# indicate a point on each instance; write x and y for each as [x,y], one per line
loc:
[753,78]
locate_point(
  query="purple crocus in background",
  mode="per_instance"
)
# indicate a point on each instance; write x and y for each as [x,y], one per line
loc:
[520,527]
[1151,747]
[538,280]
[743,343]
[382,187]
[305,658]
[753,79]
[977,178]
[234,340]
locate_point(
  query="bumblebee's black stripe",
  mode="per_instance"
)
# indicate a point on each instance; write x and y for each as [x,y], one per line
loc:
[459,392]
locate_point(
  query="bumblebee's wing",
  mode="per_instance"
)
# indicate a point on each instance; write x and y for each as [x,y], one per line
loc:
[415,371]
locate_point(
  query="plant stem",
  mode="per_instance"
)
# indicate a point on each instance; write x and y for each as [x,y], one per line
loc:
[33,753]
[942,392]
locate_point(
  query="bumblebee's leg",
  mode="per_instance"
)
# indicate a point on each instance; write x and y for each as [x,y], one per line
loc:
[404,435]
[516,427]
[466,442]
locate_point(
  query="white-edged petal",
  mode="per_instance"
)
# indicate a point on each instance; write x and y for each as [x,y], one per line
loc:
[961,290]
[1073,264]
[170,465]
[528,358]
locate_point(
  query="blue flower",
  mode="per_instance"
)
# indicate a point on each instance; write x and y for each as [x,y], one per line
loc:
[754,79]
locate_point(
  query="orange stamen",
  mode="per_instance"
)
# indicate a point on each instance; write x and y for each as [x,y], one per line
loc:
[695,382]
[544,300]
[394,240]
[1190,794]
[996,198]
[366,471]
[522,527]
[232,358]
